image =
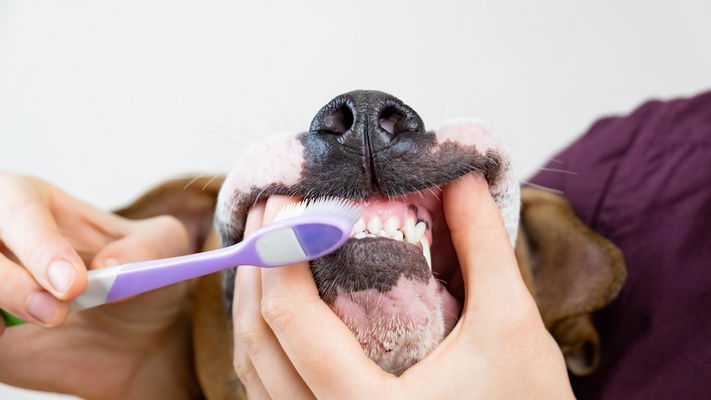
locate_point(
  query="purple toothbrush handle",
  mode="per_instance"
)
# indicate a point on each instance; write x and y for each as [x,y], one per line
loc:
[317,234]
[140,277]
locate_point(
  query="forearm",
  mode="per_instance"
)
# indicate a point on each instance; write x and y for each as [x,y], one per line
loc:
[166,371]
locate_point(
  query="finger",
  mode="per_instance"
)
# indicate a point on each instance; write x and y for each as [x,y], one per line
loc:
[30,232]
[265,353]
[241,363]
[149,239]
[240,359]
[316,341]
[255,337]
[487,260]
[21,296]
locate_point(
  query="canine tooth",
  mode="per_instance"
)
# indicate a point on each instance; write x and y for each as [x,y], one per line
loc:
[398,235]
[359,226]
[359,235]
[409,223]
[391,225]
[426,251]
[420,230]
[410,234]
[375,225]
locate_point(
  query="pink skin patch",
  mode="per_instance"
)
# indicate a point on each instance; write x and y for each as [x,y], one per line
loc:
[259,159]
[468,132]
[399,327]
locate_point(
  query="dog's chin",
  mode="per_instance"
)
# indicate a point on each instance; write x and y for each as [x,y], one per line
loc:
[395,306]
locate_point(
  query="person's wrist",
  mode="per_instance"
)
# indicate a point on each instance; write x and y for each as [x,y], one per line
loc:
[168,373]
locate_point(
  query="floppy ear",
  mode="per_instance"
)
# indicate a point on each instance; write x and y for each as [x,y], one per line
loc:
[191,200]
[571,271]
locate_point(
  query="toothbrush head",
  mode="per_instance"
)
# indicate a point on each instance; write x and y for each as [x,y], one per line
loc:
[304,231]
[332,205]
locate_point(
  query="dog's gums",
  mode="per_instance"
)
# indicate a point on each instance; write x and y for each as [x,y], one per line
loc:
[396,283]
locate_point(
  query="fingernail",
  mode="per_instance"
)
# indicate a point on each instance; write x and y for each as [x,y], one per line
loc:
[110,262]
[61,275]
[43,306]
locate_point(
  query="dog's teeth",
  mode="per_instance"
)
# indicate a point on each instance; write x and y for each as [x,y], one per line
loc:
[359,235]
[398,235]
[383,233]
[426,251]
[391,225]
[359,226]
[409,224]
[410,234]
[420,229]
[370,235]
[375,225]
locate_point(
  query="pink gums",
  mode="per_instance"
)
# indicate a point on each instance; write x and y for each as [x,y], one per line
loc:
[398,207]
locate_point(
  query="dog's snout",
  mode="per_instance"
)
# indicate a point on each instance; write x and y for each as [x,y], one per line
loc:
[366,121]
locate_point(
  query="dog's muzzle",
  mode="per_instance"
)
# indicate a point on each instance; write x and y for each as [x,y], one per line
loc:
[396,283]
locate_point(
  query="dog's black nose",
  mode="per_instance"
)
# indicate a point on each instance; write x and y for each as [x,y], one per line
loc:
[367,121]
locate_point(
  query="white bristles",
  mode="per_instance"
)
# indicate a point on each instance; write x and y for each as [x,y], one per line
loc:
[321,205]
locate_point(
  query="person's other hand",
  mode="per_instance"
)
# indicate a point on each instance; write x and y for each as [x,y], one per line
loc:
[289,344]
[48,240]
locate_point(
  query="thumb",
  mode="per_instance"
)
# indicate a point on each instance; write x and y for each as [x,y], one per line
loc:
[487,260]
[150,239]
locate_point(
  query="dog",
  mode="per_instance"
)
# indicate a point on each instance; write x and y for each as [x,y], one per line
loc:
[396,283]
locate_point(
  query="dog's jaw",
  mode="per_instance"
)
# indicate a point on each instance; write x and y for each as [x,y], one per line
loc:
[382,289]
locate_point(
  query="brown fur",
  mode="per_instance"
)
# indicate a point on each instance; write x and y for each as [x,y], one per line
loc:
[570,270]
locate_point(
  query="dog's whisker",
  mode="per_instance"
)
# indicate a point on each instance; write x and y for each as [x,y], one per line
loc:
[195,179]
[210,181]
[562,171]
[204,175]
[542,187]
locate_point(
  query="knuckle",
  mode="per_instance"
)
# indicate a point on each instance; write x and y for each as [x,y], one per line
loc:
[249,332]
[244,370]
[169,223]
[247,329]
[276,311]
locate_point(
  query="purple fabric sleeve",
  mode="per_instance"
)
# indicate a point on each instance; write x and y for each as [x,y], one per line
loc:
[644,182]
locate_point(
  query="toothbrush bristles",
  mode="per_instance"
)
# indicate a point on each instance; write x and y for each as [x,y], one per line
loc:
[321,205]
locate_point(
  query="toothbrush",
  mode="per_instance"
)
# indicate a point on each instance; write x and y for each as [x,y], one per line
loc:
[301,232]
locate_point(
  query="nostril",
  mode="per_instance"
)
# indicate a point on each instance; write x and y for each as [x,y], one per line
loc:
[394,121]
[336,120]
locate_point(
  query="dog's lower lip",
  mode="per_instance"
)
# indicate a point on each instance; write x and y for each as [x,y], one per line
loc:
[441,258]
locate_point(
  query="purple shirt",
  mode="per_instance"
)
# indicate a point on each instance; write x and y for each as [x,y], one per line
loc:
[644,182]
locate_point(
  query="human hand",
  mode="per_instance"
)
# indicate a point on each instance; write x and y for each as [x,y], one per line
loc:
[47,241]
[289,344]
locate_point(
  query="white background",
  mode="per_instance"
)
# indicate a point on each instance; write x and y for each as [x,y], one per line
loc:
[105,99]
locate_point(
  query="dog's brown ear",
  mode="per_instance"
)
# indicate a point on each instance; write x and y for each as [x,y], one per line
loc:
[191,200]
[571,271]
